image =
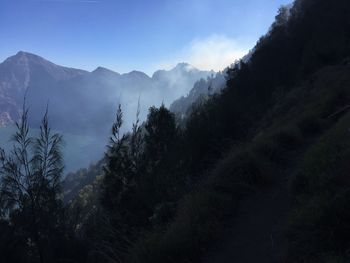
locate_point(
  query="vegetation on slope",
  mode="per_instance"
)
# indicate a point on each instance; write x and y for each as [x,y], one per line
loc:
[165,191]
[319,224]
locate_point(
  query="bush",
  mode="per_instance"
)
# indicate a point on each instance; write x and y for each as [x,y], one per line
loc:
[319,228]
[309,126]
[198,221]
[288,140]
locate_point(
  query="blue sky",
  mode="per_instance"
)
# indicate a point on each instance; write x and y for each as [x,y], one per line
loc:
[140,34]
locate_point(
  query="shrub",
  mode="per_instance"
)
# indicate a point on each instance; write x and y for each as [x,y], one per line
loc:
[309,125]
[319,229]
[288,140]
[198,221]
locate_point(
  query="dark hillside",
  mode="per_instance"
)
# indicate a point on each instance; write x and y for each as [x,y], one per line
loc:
[240,148]
[274,108]
[256,173]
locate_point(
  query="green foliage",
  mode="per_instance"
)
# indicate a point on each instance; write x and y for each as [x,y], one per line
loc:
[160,132]
[319,225]
[118,169]
[200,214]
[234,142]
[163,192]
[78,150]
[198,221]
[137,190]
[30,188]
[309,126]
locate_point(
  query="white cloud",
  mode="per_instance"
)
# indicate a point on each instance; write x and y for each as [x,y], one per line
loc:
[213,52]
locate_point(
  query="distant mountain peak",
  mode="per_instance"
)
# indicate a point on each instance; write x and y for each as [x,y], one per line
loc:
[185,67]
[92,94]
[137,73]
[19,70]
[104,71]
[30,58]
[180,67]
[23,55]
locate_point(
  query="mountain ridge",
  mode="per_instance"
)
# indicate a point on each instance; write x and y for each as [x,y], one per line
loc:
[34,57]
[84,102]
[45,81]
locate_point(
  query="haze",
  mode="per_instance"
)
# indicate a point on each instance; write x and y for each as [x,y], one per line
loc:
[135,35]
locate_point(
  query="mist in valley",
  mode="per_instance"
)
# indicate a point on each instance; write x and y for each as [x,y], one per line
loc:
[247,162]
[81,104]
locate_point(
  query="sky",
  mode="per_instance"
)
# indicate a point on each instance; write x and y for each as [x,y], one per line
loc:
[126,35]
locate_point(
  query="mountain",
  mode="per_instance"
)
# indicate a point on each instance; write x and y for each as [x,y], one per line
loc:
[82,104]
[201,91]
[260,172]
[265,161]
[204,88]
[81,101]
[23,72]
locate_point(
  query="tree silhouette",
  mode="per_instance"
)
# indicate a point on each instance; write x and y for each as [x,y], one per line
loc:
[30,185]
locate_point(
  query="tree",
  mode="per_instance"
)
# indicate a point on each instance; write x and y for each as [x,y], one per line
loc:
[30,186]
[123,159]
[161,132]
[116,170]
[162,177]
[118,197]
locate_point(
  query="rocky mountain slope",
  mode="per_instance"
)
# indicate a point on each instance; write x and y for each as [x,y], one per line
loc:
[24,72]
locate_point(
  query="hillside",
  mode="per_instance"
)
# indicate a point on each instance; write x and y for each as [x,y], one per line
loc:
[200,92]
[244,150]
[257,172]
[274,122]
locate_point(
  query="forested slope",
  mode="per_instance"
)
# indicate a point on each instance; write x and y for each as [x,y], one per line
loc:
[168,193]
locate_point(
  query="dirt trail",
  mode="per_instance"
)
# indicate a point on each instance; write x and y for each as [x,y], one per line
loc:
[257,231]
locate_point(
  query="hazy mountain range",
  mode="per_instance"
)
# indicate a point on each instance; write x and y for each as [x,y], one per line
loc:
[82,101]
[82,104]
